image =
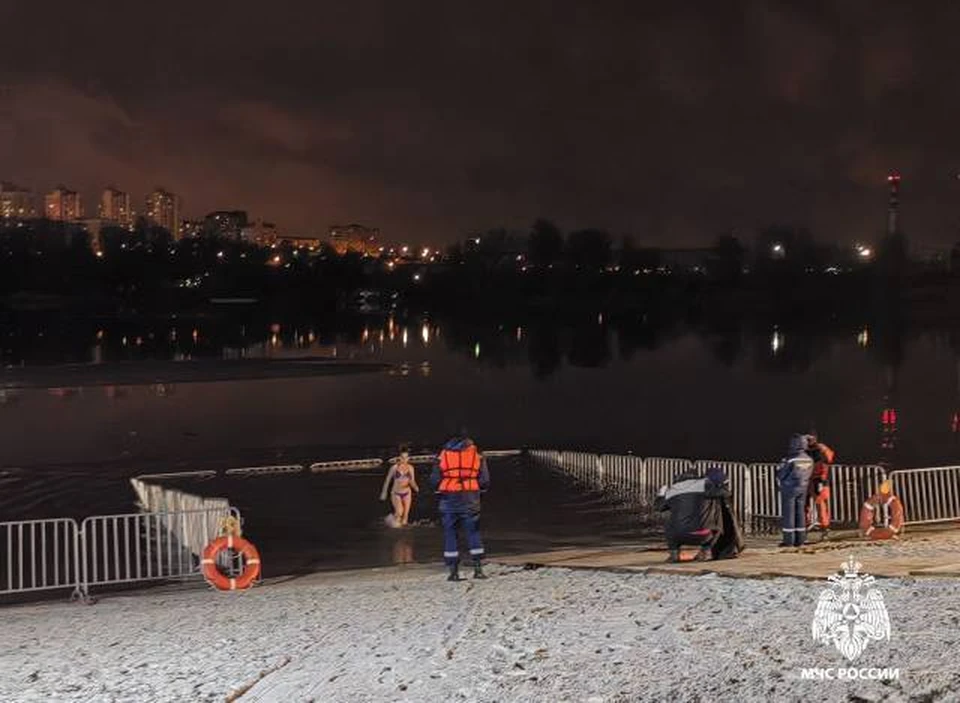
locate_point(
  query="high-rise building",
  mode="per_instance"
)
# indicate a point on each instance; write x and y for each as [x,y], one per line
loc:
[163,210]
[225,223]
[261,233]
[893,207]
[63,205]
[16,203]
[115,207]
[355,238]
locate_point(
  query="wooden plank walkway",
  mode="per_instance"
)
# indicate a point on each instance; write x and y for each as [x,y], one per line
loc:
[928,554]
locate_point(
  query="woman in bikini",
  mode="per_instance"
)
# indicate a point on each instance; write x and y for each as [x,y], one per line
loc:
[404,480]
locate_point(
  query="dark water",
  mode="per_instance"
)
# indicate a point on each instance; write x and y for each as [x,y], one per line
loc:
[334,520]
[307,522]
[728,389]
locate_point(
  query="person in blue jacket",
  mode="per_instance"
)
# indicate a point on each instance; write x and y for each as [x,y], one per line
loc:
[458,477]
[793,477]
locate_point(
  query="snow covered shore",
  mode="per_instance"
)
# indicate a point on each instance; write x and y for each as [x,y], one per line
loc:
[408,635]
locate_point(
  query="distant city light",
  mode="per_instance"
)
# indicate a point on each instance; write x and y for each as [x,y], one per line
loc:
[864,252]
[476,350]
[425,334]
[404,249]
[405,338]
[99,254]
[863,339]
[219,254]
[416,277]
[776,342]
[425,253]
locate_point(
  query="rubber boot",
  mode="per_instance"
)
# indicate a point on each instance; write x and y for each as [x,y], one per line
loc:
[454,574]
[478,571]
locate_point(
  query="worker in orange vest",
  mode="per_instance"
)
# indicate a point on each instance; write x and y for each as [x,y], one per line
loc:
[458,477]
[818,496]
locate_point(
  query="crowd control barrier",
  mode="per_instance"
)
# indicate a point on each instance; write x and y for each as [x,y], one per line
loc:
[39,555]
[756,496]
[928,495]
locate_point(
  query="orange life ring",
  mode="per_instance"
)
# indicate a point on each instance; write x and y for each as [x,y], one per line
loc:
[251,569]
[883,533]
[893,519]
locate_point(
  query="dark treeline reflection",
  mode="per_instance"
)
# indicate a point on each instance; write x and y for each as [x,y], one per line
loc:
[769,342]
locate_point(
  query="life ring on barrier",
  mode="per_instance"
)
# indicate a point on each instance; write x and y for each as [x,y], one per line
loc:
[882,516]
[222,582]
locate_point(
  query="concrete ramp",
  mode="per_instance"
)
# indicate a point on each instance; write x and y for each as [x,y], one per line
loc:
[933,554]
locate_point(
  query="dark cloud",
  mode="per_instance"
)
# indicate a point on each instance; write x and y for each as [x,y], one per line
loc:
[430,119]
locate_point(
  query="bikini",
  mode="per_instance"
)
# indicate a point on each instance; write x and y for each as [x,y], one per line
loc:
[397,475]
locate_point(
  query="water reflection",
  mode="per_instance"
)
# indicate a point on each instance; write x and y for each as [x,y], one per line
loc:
[403,552]
[544,345]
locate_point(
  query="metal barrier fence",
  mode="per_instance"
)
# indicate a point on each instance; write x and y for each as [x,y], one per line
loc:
[928,495]
[756,496]
[119,549]
[39,555]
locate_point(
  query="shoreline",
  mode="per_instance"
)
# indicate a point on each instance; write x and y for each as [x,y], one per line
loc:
[137,373]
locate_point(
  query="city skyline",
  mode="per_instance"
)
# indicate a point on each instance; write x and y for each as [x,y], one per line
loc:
[672,124]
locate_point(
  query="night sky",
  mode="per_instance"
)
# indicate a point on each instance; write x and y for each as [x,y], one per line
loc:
[671,121]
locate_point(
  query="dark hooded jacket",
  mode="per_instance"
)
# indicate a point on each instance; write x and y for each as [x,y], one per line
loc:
[794,473]
[689,501]
[720,511]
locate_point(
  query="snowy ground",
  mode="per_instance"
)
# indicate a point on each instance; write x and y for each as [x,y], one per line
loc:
[408,635]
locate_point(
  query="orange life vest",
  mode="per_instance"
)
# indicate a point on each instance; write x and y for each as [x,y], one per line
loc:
[821,470]
[460,470]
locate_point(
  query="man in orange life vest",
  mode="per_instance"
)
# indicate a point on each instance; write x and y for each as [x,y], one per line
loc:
[818,501]
[459,476]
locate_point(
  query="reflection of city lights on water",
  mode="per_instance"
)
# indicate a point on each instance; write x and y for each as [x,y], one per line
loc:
[476,350]
[425,333]
[366,335]
[274,340]
[776,342]
[405,337]
[863,339]
[123,341]
[196,336]
[99,334]
[519,334]
[600,318]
